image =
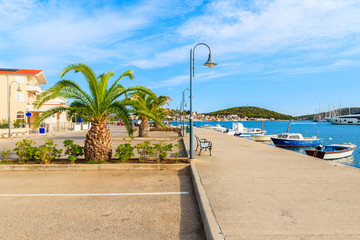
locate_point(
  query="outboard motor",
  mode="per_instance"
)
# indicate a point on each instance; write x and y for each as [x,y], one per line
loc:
[320,147]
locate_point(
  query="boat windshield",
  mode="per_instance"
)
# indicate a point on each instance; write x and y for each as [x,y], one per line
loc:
[283,136]
[294,137]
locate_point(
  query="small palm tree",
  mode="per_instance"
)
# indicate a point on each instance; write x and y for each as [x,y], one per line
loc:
[98,105]
[148,106]
[160,114]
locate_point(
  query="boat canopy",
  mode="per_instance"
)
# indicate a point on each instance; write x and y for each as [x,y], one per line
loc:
[238,127]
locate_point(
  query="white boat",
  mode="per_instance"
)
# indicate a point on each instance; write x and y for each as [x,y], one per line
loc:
[332,151]
[262,137]
[350,119]
[239,130]
[219,128]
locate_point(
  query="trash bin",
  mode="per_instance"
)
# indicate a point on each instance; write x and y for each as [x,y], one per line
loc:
[187,129]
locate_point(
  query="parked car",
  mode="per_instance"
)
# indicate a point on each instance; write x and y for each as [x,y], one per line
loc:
[120,123]
[137,123]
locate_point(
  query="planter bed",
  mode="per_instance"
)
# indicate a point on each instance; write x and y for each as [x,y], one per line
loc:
[112,161]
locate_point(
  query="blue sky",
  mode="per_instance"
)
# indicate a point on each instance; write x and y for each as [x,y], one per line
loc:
[286,56]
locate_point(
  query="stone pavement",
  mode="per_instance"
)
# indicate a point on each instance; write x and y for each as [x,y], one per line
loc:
[256,191]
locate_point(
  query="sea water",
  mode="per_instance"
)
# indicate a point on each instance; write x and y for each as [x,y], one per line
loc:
[330,134]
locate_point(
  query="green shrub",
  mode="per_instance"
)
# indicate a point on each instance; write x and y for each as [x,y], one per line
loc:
[73,150]
[4,123]
[47,152]
[162,149]
[178,152]
[25,150]
[19,123]
[124,152]
[145,150]
[5,153]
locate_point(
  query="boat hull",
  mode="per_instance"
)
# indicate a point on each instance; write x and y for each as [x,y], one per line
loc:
[247,134]
[344,121]
[328,155]
[295,143]
[332,152]
[262,138]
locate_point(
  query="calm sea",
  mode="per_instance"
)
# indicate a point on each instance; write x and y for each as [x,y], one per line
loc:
[329,133]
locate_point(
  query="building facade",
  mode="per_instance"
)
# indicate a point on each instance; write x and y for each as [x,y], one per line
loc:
[22,100]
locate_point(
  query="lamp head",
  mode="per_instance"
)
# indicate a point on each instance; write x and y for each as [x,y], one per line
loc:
[18,89]
[210,62]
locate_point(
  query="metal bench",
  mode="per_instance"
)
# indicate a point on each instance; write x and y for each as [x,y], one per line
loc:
[203,144]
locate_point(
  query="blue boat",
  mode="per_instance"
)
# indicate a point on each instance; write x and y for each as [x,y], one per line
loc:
[295,139]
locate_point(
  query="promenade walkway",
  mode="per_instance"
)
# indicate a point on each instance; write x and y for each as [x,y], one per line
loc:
[256,191]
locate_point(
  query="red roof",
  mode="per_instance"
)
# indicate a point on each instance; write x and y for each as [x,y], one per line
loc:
[20,71]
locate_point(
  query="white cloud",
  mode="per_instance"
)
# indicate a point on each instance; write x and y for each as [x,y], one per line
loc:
[182,79]
[278,24]
[265,27]
[164,59]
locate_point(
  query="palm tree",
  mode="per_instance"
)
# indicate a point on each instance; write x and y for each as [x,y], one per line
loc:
[148,106]
[160,114]
[98,105]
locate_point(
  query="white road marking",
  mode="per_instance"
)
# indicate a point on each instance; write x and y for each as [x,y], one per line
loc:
[91,194]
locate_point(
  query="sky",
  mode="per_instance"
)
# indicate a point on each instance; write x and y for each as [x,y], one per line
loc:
[294,57]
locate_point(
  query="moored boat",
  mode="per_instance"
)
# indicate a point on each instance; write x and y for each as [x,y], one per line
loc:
[262,137]
[333,151]
[350,119]
[239,130]
[219,128]
[295,139]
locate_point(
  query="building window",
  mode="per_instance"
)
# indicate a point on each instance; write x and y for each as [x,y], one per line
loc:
[19,79]
[20,97]
[20,116]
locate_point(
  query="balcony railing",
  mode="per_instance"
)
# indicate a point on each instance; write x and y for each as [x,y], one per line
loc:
[33,88]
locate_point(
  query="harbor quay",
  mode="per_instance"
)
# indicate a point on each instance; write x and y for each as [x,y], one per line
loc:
[250,190]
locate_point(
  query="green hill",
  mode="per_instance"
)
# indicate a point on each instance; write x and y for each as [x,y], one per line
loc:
[252,112]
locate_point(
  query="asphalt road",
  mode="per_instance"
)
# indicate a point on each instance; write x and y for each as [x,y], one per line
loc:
[141,214]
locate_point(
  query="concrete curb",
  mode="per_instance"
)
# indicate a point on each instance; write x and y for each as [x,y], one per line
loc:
[211,226]
[91,167]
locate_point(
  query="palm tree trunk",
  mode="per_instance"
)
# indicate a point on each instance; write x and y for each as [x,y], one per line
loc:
[98,145]
[144,128]
[157,126]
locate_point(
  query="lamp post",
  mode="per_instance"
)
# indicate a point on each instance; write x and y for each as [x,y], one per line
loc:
[19,90]
[176,116]
[183,110]
[210,63]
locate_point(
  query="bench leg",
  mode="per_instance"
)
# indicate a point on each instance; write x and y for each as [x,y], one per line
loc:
[200,150]
[210,151]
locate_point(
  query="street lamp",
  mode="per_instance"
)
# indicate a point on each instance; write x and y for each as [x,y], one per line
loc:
[19,90]
[210,63]
[183,110]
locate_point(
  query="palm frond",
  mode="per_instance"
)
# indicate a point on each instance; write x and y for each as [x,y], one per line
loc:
[49,113]
[122,112]
[89,75]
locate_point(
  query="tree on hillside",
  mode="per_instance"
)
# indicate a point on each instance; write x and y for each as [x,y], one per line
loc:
[97,105]
[148,106]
